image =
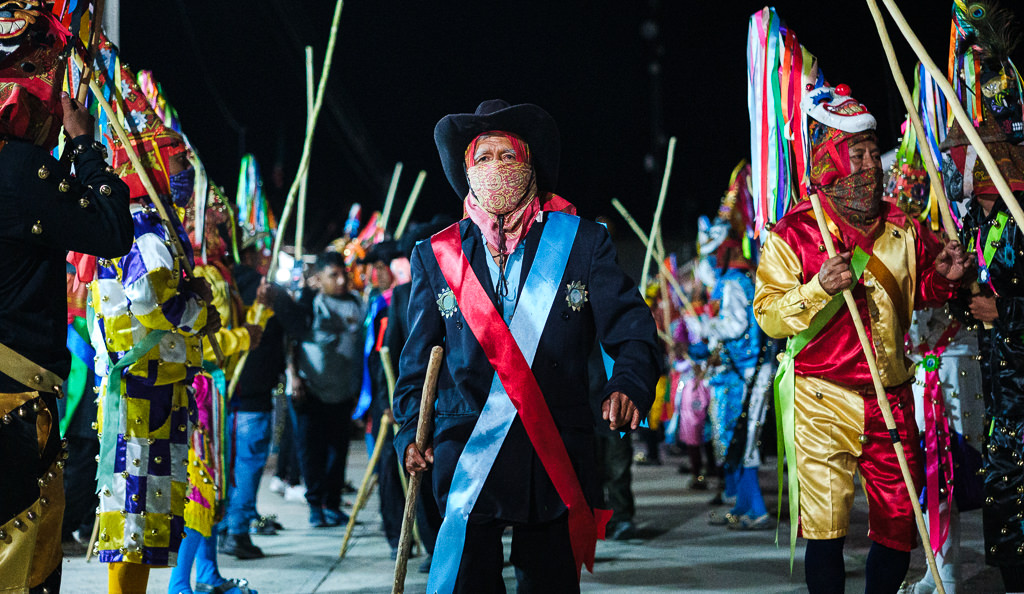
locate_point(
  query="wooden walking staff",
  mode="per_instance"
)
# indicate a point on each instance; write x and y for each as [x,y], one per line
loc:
[423,431]
[883,400]
[293,191]
[658,210]
[133,156]
[961,116]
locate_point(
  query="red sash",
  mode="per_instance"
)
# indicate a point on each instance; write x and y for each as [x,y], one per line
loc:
[487,325]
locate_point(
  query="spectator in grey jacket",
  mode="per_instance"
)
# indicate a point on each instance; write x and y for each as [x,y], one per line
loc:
[326,372]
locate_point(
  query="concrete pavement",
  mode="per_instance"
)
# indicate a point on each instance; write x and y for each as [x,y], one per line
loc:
[676,550]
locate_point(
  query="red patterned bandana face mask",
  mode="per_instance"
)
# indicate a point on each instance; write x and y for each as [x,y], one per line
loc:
[500,187]
[857,196]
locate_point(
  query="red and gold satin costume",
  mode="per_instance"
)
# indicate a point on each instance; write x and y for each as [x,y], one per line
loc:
[839,427]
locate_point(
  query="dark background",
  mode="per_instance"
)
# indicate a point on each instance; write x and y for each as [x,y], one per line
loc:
[235,73]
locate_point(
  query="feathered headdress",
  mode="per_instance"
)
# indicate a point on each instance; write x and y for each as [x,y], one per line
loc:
[982,37]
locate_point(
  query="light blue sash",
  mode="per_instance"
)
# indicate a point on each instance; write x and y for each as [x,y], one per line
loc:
[539,294]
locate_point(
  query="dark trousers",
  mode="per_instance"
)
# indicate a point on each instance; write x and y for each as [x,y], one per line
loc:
[428,517]
[392,498]
[323,432]
[541,554]
[288,468]
[80,498]
[615,459]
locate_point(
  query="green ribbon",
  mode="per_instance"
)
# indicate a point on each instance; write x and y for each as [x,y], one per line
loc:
[74,388]
[995,233]
[112,404]
[785,401]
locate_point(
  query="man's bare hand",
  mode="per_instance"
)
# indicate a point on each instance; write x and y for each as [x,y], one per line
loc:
[213,321]
[266,293]
[415,461]
[835,274]
[952,262]
[77,120]
[620,411]
[255,335]
[983,308]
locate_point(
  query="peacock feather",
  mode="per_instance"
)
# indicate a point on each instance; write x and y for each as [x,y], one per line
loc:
[987,27]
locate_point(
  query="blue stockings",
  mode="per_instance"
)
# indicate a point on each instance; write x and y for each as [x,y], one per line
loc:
[749,501]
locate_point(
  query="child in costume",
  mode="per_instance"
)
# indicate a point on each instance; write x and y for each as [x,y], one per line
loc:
[210,442]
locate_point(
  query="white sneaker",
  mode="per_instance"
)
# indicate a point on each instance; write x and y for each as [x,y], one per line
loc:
[277,485]
[295,494]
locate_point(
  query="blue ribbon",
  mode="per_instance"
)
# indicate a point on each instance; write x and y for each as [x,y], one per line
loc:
[539,293]
[112,405]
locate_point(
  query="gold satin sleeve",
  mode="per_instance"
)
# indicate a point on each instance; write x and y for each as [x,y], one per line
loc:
[783,306]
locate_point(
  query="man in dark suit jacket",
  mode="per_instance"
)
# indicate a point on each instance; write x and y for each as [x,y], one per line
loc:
[531,467]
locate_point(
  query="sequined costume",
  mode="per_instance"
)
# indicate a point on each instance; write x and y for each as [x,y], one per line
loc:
[137,300]
[1002,357]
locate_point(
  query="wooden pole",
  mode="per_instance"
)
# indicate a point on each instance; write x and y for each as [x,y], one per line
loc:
[293,191]
[307,146]
[423,431]
[880,395]
[658,210]
[915,119]
[390,378]
[661,262]
[961,116]
[390,199]
[92,538]
[365,488]
[926,149]
[133,156]
[94,37]
[411,204]
[300,216]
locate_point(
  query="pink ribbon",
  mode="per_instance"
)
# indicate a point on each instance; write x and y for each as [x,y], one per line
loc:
[938,450]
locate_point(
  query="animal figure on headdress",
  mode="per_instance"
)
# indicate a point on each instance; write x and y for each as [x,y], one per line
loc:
[985,77]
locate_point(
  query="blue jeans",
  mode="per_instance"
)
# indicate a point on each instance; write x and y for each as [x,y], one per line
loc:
[252,444]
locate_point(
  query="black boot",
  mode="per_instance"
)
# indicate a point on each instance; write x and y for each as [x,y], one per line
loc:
[240,545]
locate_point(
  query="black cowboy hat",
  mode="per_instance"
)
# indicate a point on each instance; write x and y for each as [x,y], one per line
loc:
[384,251]
[534,125]
[417,232]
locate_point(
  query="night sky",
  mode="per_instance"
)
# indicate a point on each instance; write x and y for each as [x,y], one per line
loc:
[400,66]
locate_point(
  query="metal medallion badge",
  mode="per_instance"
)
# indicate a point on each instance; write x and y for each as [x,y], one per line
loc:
[446,303]
[576,295]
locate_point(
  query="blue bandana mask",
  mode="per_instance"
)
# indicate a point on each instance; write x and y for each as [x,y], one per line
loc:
[182,185]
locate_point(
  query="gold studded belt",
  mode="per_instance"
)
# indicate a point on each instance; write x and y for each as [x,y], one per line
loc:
[19,368]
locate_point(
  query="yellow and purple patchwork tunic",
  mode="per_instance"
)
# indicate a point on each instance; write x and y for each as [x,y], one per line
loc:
[146,332]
